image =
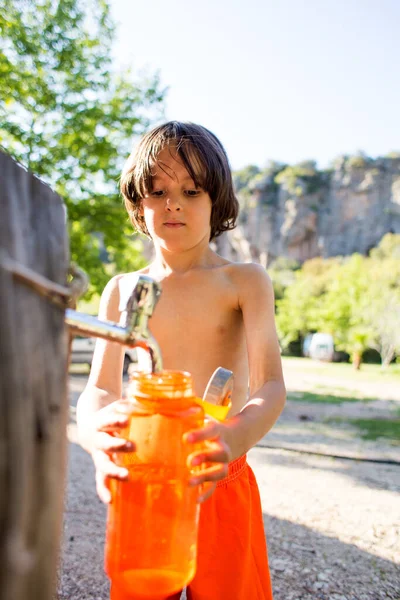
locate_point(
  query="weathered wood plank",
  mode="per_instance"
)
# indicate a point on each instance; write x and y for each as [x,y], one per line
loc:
[33,384]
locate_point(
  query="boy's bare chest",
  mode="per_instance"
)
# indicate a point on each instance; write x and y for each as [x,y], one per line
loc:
[193,310]
[199,327]
[191,304]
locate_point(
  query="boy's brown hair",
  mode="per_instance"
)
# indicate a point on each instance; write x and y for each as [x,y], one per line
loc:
[204,158]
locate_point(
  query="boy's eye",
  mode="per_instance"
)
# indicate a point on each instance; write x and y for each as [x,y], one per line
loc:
[190,193]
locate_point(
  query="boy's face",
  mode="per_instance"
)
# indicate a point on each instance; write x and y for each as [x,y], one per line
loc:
[177,214]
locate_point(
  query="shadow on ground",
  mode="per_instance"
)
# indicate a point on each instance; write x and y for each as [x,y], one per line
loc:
[317,567]
[383,477]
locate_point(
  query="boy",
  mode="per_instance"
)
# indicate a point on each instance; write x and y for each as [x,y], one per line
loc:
[178,190]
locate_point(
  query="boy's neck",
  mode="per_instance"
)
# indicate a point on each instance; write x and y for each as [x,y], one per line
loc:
[178,263]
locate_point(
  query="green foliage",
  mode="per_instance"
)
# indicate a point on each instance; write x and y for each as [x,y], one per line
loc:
[383,310]
[388,248]
[241,180]
[271,170]
[339,162]
[356,299]
[343,309]
[360,160]
[282,273]
[393,155]
[300,307]
[250,177]
[300,179]
[242,177]
[69,117]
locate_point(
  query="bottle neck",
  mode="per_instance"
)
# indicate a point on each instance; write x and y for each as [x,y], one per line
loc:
[165,385]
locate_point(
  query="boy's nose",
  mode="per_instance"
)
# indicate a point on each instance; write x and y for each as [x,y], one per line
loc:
[172,203]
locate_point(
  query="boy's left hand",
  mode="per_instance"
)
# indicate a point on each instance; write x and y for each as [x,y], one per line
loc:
[212,458]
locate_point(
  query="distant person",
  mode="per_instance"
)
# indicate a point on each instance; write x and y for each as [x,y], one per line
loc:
[178,191]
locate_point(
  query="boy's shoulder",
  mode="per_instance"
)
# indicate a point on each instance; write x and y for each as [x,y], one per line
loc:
[243,278]
[243,269]
[247,268]
[246,273]
[248,282]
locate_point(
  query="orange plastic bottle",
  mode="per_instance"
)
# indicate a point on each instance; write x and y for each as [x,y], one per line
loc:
[151,540]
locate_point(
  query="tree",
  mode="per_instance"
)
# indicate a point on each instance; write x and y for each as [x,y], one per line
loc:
[389,248]
[385,322]
[68,116]
[282,272]
[299,310]
[356,299]
[242,177]
[384,306]
[301,178]
[344,312]
[241,180]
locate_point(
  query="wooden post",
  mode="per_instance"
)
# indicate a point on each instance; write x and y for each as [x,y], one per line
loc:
[33,388]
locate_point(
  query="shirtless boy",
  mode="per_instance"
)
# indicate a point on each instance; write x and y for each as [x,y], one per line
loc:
[178,191]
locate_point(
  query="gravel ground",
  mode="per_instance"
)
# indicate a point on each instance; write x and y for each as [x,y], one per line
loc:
[333,526]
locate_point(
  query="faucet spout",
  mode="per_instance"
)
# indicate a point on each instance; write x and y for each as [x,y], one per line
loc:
[133,329]
[139,309]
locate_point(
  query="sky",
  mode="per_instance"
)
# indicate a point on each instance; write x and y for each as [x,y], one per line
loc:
[287,80]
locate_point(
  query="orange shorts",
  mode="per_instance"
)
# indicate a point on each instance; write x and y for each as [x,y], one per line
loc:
[232,559]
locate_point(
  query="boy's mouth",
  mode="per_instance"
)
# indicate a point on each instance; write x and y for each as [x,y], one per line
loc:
[174,224]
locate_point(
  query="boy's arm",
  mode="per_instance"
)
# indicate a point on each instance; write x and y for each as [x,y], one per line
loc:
[267,389]
[104,383]
[98,417]
[237,435]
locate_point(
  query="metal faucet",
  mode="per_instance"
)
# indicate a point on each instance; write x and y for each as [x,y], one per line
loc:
[133,329]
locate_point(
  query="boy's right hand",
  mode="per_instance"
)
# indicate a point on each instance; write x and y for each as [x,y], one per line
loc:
[106,425]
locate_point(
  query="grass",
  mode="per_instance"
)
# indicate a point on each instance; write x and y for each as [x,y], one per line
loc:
[325,389]
[328,398]
[372,429]
[345,371]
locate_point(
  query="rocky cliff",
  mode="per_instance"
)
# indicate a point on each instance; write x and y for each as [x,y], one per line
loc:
[299,212]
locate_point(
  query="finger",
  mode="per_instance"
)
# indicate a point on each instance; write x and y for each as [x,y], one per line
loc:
[110,443]
[213,473]
[210,431]
[109,421]
[219,453]
[102,488]
[208,491]
[108,468]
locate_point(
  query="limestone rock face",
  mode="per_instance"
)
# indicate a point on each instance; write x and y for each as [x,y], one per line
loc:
[350,210]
